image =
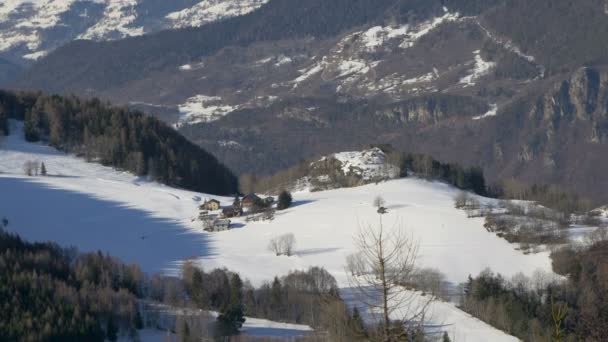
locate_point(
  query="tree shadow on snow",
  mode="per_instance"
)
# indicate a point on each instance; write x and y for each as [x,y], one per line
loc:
[313,251]
[38,212]
[300,203]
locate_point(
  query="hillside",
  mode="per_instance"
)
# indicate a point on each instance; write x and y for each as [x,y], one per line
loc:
[117,137]
[151,224]
[454,79]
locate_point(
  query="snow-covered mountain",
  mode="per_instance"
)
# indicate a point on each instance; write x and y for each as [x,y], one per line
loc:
[30,29]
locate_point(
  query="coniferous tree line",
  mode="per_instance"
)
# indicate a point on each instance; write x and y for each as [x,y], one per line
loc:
[52,294]
[117,137]
[49,293]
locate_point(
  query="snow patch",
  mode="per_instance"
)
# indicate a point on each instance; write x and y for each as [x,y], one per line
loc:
[116,22]
[480,69]
[377,36]
[308,73]
[212,10]
[202,108]
[36,55]
[282,60]
[492,112]
[369,164]
[46,14]
[431,76]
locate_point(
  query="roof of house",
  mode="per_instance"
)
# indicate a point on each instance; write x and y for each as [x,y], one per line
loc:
[212,201]
[251,197]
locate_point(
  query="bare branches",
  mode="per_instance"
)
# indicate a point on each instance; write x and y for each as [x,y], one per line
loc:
[386,260]
[283,245]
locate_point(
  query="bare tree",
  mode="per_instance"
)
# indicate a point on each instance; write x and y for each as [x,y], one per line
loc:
[379,202]
[283,245]
[288,244]
[30,168]
[385,260]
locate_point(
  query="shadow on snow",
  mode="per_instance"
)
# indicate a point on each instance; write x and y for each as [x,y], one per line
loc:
[38,212]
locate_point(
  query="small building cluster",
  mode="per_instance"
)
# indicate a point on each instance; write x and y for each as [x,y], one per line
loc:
[217,219]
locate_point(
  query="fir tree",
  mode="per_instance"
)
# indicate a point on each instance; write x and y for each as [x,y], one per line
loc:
[43,169]
[111,330]
[285,200]
[232,317]
[357,323]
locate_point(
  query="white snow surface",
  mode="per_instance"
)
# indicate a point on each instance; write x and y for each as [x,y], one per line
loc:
[212,10]
[116,22]
[491,112]
[369,164]
[45,14]
[27,22]
[480,69]
[377,36]
[203,108]
[96,208]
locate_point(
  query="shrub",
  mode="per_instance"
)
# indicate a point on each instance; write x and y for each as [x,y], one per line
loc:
[285,200]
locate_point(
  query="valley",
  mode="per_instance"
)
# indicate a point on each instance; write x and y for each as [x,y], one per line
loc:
[344,170]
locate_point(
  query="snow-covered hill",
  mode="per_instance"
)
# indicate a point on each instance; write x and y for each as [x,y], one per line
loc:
[96,208]
[30,29]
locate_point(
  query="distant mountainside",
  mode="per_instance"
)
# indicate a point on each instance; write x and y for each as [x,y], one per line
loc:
[30,29]
[517,87]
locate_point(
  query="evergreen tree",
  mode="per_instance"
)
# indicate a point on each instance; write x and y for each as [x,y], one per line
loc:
[138,322]
[357,323]
[446,337]
[185,332]
[232,317]
[43,169]
[276,296]
[285,200]
[111,330]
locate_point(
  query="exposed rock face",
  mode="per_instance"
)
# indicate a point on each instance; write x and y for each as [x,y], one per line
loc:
[582,97]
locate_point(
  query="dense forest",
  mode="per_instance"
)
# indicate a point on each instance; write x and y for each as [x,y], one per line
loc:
[49,293]
[537,309]
[116,137]
[52,294]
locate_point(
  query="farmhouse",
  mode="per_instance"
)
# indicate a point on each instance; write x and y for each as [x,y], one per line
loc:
[218,226]
[211,205]
[232,212]
[250,200]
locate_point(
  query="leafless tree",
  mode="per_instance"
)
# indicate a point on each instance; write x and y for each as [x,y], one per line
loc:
[30,168]
[379,202]
[283,245]
[384,261]
[288,244]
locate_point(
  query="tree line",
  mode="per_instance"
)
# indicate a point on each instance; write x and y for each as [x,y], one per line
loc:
[49,294]
[537,310]
[117,137]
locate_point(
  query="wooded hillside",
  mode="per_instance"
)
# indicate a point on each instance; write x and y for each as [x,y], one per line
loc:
[116,137]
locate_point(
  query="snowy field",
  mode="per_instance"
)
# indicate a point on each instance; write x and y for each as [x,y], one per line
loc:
[96,208]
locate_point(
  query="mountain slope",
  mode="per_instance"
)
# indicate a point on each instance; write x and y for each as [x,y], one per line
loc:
[152,225]
[456,79]
[116,137]
[30,29]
